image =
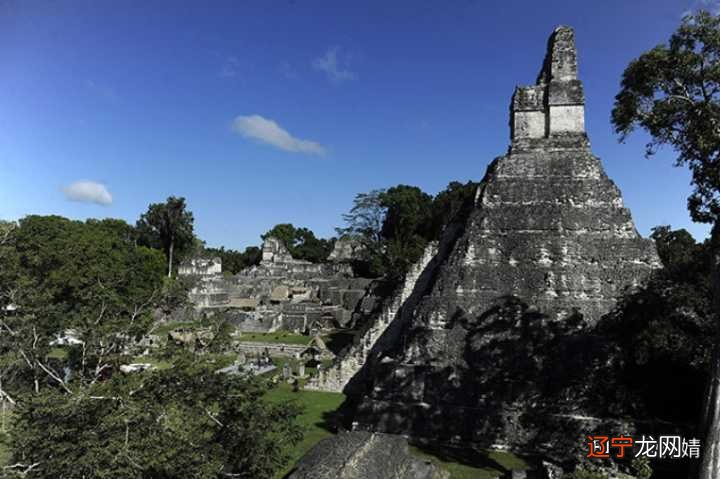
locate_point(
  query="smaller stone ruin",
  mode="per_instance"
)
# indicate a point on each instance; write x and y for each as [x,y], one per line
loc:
[201,267]
[346,249]
[274,251]
[281,293]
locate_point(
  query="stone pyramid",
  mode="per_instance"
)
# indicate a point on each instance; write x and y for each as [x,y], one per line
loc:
[548,231]
[549,225]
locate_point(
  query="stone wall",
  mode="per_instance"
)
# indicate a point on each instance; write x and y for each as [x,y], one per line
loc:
[274,251]
[369,342]
[275,350]
[201,267]
[555,106]
[282,293]
[345,249]
[355,455]
[278,262]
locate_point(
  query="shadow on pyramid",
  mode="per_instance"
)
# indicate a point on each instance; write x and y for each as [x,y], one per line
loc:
[488,346]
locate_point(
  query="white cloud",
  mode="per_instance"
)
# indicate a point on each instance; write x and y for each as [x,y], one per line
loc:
[88,192]
[269,132]
[333,66]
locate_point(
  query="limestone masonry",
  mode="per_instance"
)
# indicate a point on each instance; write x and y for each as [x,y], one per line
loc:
[281,293]
[366,346]
[555,106]
[548,227]
[548,244]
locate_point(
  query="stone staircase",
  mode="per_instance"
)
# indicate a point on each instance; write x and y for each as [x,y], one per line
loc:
[349,362]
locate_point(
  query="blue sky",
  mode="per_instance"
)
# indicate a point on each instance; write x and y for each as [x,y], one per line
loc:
[262,112]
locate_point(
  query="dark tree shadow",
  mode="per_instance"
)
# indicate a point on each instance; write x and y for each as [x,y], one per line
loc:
[466,456]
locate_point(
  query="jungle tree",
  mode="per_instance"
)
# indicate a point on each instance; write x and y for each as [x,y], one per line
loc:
[673,92]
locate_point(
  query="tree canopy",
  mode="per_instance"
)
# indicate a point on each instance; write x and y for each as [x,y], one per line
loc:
[394,225]
[76,414]
[673,92]
[185,421]
[90,277]
[234,261]
[168,226]
[302,242]
[666,329]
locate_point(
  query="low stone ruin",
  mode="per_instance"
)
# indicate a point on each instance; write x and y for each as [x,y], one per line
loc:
[200,267]
[281,293]
[360,455]
[345,249]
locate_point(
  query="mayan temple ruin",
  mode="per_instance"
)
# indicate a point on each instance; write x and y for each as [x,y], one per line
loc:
[279,294]
[548,246]
[360,240]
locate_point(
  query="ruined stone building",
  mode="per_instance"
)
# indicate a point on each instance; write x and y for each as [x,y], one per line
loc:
[201,267]
[281,293]
[465,352]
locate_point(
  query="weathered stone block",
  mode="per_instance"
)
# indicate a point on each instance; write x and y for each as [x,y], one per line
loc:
[555,105]
[529,124]
[567,119]
[568,92]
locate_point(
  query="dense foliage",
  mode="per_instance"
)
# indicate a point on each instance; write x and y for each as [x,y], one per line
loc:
[665,330]
[182,422]
[168,226]
[394,225]
[302,242]
[234,261]
[673,92]
[74,298]
[89,277]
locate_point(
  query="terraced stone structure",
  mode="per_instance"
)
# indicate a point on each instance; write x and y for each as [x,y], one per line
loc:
[550,226]
[281,293]
[549,246]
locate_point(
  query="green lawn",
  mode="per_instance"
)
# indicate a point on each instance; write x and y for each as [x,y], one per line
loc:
[316,405]
[460,463]
[470,464]
[223,359]
[309,370]
[276,337]
[220,359]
